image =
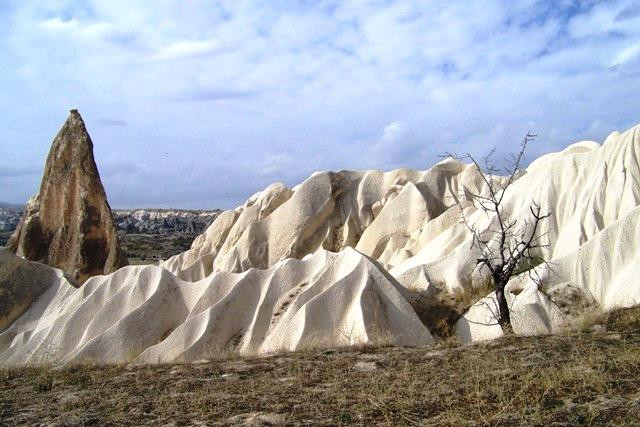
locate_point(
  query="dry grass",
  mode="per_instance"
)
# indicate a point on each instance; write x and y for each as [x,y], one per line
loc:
[580,378]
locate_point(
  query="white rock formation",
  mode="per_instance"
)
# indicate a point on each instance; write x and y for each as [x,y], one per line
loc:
[532,313]
[594,255]
[146,314]
[343,257]
[380,214]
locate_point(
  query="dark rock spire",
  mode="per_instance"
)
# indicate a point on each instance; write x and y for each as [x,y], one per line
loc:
[69,225]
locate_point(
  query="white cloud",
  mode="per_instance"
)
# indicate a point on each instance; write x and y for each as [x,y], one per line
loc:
[75,27]
[627,54]
[186,49]
[291,87]
[58,24]
[275,165]
[393,131]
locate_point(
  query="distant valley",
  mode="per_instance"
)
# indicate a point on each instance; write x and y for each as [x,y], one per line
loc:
[10,216]
[146,235]
[149,235]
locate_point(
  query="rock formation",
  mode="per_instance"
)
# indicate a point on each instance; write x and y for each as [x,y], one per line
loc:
[21,283]
[146,314]
[357,257]
[68,224]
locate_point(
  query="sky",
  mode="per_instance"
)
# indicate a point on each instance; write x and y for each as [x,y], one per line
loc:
[200,104]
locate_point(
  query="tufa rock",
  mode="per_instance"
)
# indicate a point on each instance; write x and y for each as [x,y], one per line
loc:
[69,225]
[21,283]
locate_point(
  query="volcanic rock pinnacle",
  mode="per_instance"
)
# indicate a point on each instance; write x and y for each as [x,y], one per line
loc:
[69,224]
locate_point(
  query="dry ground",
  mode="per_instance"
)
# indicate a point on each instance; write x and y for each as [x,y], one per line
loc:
[579,378]
[150,248]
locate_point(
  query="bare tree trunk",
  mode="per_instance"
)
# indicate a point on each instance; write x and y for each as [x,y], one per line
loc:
[504,316]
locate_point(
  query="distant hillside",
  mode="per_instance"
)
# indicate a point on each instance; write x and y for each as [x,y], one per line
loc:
[4,205]
[181,225]
[163,221]
[10,216]
[149,235]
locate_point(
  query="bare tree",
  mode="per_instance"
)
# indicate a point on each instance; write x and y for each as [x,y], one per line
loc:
[510,244]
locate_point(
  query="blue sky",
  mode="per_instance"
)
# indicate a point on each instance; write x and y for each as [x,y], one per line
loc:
[199,104]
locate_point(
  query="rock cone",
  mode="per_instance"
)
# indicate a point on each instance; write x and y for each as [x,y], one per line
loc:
[69,224]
